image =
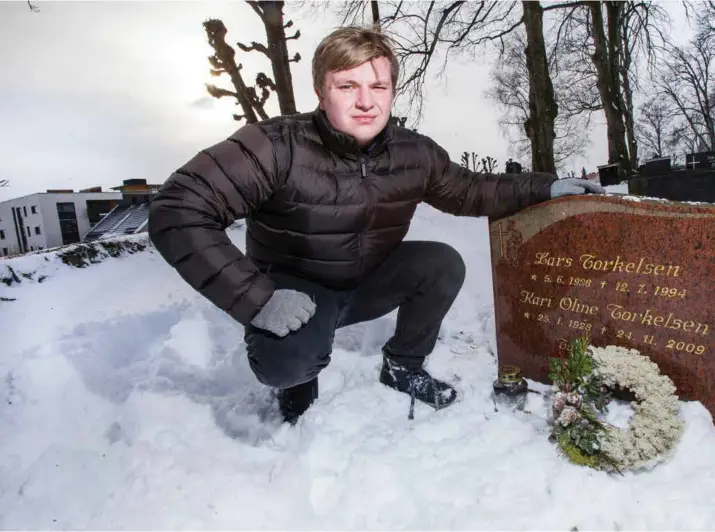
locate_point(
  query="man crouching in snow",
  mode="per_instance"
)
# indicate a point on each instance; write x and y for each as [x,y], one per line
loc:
[328,197]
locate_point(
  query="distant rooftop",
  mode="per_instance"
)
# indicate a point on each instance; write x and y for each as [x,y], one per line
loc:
[136,185]
[128,187]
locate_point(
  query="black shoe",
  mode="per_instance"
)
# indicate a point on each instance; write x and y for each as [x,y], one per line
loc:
[418,384]
[294,401]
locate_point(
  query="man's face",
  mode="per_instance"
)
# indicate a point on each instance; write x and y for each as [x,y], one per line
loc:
[358,101]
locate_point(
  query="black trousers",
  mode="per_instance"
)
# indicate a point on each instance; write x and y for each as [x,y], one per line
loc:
[422,279]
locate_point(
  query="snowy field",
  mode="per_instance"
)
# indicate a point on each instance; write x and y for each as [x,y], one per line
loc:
[127,403]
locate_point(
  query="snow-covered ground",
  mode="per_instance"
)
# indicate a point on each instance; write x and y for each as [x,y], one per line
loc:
[127,403]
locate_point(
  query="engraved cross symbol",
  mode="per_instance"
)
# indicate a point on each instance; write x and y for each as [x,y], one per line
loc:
[501,241]
[509,241]
[694,162]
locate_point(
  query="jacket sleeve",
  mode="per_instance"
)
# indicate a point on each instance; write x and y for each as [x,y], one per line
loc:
[456,190]
[189,216]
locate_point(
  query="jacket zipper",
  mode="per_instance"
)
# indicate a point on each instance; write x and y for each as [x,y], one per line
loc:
[363,175]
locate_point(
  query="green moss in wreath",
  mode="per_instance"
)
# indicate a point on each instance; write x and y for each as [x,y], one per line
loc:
[576,455]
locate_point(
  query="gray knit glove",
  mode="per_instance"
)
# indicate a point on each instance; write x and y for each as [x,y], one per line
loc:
[573,186]
[285,311]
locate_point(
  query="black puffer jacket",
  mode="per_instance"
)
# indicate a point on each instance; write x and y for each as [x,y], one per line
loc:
[316,205]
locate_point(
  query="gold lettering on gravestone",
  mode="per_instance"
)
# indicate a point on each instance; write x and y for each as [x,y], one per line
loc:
[584,310]
[650,319]
[590,261]
[593,262]
[574,304]
[532,299]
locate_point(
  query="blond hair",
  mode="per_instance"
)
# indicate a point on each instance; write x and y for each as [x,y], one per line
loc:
[351,46]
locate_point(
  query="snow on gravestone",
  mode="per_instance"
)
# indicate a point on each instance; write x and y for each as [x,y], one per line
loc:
[639,274]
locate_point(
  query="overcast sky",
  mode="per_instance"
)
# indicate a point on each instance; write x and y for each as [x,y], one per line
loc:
[93,93]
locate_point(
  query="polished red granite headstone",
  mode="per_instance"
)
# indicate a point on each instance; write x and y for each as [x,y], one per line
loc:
[638,274]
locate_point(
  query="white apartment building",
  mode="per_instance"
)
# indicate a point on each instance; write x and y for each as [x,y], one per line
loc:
[50,219]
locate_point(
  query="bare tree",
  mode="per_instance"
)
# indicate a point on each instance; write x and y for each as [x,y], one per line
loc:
[485,165]
[686,80]
[355,12]
[611,37]
[611,40]
[703,11]
[510,89]
[427,32]
[223,62]
[271,14]
[543,110]
[252,99]
[655,129]
[607,54]
[570,58]
[642,36]
[33,7]
[375,9]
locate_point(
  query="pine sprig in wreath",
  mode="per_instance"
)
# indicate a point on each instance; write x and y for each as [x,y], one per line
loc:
[580,394]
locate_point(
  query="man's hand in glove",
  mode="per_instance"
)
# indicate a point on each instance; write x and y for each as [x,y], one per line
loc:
[285,311]
[573,186]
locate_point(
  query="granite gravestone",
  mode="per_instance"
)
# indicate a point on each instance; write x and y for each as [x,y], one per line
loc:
[698,161]
[656,166]
[638,274]
[610,174]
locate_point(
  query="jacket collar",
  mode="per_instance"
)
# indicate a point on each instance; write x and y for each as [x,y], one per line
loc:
[342,143]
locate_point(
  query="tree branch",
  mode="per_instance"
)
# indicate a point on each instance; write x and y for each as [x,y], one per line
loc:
[254,46]
[566,5]
[256,6]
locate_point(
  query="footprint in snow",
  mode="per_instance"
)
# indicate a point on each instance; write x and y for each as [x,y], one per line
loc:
[183,349]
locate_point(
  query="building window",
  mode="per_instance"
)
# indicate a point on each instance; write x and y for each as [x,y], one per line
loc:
[68,223]
[37,230]
[4,252]
[66,208]
[33,209]
[24,209]
[29,233]
[2,234]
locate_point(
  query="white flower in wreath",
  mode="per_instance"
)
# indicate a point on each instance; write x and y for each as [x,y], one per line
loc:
[559,401]
[568,415]
[573,399]
[655,427]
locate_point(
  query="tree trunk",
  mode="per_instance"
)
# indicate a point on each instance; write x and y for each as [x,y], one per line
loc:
[627,93]
[542,104]
[606,60]
[375,14]
[272,16]
[243,96]
[629,121]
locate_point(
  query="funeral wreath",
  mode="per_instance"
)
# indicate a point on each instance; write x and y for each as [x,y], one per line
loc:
[585,380]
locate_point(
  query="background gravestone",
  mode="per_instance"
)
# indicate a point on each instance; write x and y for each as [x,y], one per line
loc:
[638,274]
[677,185]
[700,160]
